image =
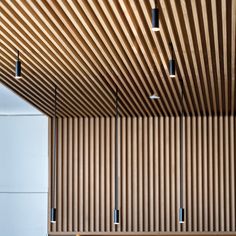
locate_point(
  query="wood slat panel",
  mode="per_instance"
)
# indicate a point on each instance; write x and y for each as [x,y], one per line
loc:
[149,185]
[144,234]
[89,47]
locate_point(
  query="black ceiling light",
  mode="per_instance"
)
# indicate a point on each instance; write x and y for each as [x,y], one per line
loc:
[18,66]
[116,211]
[53,215]
[172,63]
[181,209]
[53,195]
[181,215]
[155,19]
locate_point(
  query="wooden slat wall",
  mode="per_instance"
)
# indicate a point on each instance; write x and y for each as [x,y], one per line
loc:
[149,174]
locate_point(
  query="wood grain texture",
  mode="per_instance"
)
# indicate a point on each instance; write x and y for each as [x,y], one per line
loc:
[88,47]
[145,234]
[148,175]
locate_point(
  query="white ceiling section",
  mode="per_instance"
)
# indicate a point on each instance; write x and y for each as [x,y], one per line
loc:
[12,104]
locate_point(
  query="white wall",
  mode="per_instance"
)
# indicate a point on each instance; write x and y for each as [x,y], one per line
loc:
[23,174]
[11,104]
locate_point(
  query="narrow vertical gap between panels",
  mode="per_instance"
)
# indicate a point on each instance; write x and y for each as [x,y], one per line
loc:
[92,191]
[147,172]
[227,173]
[176,160]
[164,176]
[221,170]
[234,161]
[135,176]
[147,152]
[178,173]
[200,174]
[232,129]
[86,175]
[131,170]
[81,174]
[75,175]
[129,178]
[143,175]
[108,174]
[213,172]
[139,212]
[70,174]
[155,174]
[150,171]
[110,125]
[162,200]
[205,176]
[65,146]
[140,171]
[174,210]
[184,174]
[67,157]
[67,182]
[159,174]
[189,214]
[120,173]
[119,169]
[96,175]
[214,132]
[194,173]
[113,228]
[167,175]
[50,148]
[124,176]
[100,174]
[59,176]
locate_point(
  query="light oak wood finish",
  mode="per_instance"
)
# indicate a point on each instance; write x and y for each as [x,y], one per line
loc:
[142,234]
[89,47]
[149,185]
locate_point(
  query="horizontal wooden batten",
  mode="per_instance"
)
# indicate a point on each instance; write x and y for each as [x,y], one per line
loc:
[149,187]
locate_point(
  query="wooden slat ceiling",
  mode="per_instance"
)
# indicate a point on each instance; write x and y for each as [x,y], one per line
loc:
[88,47]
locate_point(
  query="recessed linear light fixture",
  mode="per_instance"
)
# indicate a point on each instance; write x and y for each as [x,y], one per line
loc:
[172,63]
[154,96]
[18,66]
[155,19]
